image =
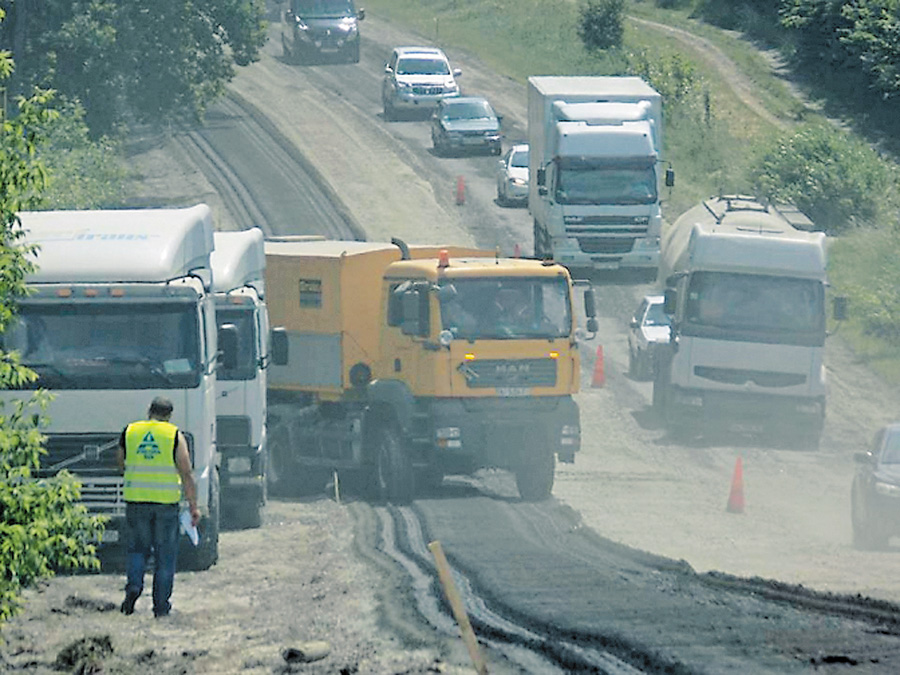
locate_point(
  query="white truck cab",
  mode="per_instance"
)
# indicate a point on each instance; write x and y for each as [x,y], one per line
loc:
[238,263]
[120,310]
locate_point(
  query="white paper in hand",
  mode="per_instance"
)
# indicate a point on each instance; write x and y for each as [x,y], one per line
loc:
[189,528]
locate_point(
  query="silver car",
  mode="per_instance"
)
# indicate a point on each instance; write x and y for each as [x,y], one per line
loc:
[512,176]
[649,328]
[417,78]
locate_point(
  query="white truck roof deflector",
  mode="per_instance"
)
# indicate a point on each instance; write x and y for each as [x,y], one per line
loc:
[133,245]
[239,260]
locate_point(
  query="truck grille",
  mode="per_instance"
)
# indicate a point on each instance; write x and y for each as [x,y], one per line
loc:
[503,373]
[606,235]
[604,246]
[92,458]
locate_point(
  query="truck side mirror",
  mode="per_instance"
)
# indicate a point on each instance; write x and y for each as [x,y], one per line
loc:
[590,304]
[670,177]
[361,14]
[670,296]
[841,309]
[279,346]
[228,346]
[592,325]
[415,311]
[541,177]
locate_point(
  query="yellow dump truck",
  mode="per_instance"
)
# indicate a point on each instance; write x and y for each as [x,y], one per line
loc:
[403,364]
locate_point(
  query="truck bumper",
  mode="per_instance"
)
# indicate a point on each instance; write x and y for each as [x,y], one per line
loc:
[498,432]
[606,254]
[755,413]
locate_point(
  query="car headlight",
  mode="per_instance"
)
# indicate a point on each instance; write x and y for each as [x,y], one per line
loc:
[518,182]
[403,85]
[887,489]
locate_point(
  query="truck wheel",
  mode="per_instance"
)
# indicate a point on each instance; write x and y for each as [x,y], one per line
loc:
[429,480]
[534,477]
[389,113]
[393,472]
[279,466]
[206,554]
[354,52]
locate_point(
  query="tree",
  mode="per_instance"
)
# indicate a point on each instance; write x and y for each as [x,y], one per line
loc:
[602,24]
[123,59]
[43,528]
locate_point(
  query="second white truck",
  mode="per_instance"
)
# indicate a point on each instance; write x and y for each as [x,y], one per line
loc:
[238,264]
[745,284]
[595,171]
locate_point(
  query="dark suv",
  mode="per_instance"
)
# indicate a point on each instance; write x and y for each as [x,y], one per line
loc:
[317,28]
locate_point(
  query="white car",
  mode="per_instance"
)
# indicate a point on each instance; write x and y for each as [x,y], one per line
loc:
[512,176]
[649,328]
[416,78]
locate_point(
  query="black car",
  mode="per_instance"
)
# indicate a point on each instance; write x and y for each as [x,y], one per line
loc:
[875,495]
[314,29]
[465,123]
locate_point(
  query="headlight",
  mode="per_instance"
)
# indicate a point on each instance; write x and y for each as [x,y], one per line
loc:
[887,489]
[403,85]
[448,437]
[445,338]
[518,182]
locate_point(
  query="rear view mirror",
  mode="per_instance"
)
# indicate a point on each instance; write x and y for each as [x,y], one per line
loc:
[279,346]
[671,296]
[590,303]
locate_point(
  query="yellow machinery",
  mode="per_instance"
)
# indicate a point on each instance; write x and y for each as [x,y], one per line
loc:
[403,364]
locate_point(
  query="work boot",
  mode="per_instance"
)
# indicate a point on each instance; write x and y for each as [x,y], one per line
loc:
[127,606]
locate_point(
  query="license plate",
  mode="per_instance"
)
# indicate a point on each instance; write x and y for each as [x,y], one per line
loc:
[509,392]
[473,141]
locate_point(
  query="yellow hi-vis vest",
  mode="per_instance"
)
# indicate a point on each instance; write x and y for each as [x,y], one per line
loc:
[150,471]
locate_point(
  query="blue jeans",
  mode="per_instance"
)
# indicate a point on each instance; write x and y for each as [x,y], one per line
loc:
[152,528]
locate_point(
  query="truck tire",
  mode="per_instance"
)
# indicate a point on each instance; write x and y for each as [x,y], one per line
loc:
[280,466]
[534,477]
[206,554]
[392,472]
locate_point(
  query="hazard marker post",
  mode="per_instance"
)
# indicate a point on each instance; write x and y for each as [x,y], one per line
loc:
[599,378]
[736,497]
[460,191]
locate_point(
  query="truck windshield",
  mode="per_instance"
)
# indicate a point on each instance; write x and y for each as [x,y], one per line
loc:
[104,346]
[509,308]
[245,322]
[583,183]
[324,8]
[767,308]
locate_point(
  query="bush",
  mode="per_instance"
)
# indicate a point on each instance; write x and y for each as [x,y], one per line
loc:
[836,180]
[602,24]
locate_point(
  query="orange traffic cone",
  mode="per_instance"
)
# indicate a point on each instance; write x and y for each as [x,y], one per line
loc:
[599,376]
[736,498]
[460,191]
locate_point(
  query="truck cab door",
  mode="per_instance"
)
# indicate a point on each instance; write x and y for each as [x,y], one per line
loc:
[405,333]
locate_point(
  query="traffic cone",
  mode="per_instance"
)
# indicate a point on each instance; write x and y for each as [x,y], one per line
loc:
[599,378]
[736,498]
[460,191]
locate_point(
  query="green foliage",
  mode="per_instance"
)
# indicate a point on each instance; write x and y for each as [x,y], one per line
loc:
[602,24]
[835,179]
[42,526]
[81,173]
[874,42]
[863,264]
[121,59]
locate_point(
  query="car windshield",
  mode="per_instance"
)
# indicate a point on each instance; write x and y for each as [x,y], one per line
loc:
[422,67]
[891,452]
[468,110]
[507,308]
[519,159]
[656,316]
[323,7]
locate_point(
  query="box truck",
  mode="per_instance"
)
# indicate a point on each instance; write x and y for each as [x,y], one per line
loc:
[595,165]
[120,310]
[745,284]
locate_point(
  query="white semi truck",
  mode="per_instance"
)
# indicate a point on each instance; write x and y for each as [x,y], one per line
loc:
[595,166]
[120,311]
[745,283]
[238,264]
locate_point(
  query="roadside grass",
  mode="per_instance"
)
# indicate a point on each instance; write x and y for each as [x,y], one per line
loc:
[710,153]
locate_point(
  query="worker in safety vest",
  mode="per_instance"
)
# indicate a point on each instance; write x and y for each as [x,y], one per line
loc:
[154,456]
